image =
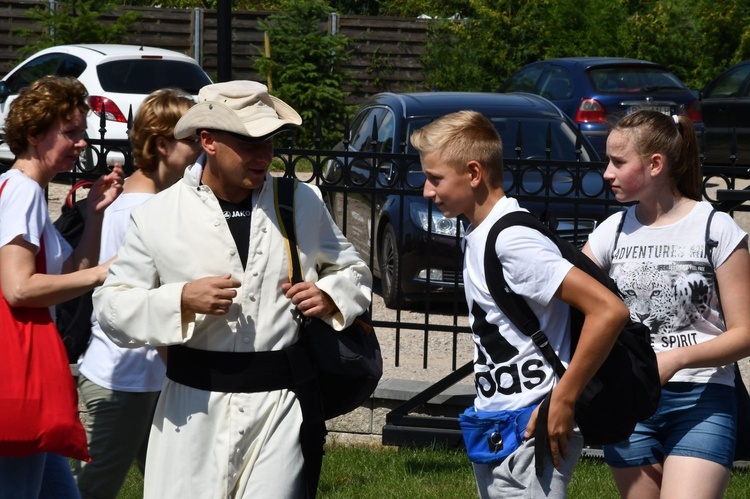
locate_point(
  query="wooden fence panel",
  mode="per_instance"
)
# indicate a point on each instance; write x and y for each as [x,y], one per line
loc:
[385,51]
[13,17]
[247,42]
[164,28]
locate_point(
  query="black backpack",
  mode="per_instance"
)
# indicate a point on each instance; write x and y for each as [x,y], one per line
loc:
[74,316]
[348,363]
[625,389]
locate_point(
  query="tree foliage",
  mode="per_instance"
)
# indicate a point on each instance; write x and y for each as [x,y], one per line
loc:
[477,54]
[476,50]
[76,21]
[476,44]
[305,67]
[415,8]
[257,5]
[693,38]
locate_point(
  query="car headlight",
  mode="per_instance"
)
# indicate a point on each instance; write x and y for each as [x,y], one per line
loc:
[440,225]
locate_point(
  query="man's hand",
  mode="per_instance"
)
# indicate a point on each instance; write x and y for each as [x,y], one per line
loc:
[210,295]
[309,299]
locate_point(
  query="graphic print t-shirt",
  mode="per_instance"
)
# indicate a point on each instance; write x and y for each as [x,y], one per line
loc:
[667,281]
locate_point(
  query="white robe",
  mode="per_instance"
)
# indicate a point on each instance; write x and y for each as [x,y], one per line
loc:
[211,444]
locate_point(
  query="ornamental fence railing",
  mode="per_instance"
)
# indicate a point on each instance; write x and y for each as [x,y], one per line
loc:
[376,199]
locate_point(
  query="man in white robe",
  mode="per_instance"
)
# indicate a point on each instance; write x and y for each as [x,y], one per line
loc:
[203,270]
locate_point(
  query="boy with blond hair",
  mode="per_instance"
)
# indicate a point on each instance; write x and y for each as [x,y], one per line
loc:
[461,155]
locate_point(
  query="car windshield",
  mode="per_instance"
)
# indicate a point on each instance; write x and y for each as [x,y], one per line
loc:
[633,79]
[532,140]
[143,76]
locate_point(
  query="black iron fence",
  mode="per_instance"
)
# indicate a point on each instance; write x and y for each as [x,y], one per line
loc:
[376,199]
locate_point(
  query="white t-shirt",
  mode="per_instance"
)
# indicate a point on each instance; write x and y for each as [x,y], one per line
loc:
[23,211]
[510,371]
[667,281]
[104,363]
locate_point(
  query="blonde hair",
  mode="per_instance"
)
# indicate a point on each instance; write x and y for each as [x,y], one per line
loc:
[461,137]
[157,116]
[41,104]
[674,138]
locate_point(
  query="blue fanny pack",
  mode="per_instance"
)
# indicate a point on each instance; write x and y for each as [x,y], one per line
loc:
[491,436]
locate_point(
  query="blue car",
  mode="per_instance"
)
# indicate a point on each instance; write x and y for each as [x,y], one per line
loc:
[597,91]
[375,183]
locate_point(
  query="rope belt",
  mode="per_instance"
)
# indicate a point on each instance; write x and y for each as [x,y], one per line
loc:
[230,372]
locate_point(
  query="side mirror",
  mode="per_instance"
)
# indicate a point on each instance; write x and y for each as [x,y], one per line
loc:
[4,91]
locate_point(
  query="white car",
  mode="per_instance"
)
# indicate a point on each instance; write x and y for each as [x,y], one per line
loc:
[117,77]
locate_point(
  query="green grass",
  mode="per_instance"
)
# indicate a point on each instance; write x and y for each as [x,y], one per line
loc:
[364,472]
[387,472]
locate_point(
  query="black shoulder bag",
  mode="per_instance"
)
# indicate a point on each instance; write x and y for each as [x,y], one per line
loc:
[348,363]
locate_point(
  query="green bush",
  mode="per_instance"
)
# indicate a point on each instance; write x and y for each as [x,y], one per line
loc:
[305,68]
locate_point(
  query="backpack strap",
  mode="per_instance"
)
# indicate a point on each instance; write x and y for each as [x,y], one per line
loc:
[619,229]
[304,371]
[540,434]
[85,184]
[511,304]
[711,244]
[283,196]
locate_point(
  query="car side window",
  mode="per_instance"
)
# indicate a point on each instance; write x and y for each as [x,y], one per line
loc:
[29,73]
[362,129]
[556,84]
[71,66]
[523,81]
[386,131]
[730,84]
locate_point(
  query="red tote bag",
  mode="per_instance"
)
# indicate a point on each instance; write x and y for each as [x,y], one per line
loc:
[38,398]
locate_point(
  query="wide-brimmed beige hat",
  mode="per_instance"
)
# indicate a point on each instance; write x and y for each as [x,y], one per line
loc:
[243,107]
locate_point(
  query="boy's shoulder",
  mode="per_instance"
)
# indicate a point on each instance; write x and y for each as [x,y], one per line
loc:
[516,236]
[501,208]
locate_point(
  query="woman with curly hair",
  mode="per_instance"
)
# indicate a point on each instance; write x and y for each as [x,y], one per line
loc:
[45,130]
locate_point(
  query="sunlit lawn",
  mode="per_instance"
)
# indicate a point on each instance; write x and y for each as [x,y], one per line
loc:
[387,472]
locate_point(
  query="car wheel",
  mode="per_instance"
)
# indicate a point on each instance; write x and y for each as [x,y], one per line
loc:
[388,260]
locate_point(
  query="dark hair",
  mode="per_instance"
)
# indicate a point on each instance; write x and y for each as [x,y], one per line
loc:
[673,137]
[39,105]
